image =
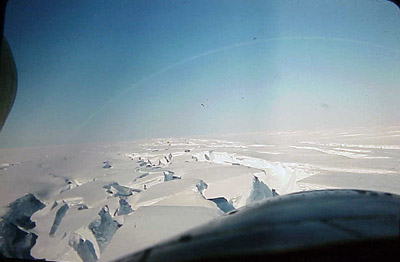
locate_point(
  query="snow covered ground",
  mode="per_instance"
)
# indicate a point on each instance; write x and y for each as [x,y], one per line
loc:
[102,201]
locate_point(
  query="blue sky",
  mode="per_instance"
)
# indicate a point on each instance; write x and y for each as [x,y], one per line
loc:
[93,71]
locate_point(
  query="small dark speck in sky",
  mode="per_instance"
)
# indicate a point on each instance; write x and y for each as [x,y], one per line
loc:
[202,105]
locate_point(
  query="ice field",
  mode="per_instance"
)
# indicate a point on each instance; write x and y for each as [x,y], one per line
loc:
[103,201]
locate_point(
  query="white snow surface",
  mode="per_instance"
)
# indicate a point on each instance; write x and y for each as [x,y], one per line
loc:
[167,183]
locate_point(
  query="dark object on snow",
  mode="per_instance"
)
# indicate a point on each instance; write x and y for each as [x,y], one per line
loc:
[107,164]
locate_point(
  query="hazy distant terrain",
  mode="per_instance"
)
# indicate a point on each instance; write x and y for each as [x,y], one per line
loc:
[103,201]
